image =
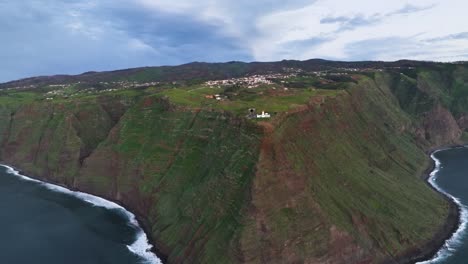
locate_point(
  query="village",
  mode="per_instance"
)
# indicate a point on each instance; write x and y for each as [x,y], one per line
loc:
[253,81]
[128,85]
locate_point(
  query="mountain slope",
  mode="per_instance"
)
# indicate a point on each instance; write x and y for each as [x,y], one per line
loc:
[333,177]
[338,183]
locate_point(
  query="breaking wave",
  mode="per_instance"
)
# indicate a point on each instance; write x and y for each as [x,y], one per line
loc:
[454,242]
[140,247]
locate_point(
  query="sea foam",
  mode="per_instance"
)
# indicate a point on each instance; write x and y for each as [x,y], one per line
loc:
[454,242]
[140,247]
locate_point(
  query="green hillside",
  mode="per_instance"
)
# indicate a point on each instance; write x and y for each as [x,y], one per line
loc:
[334,176]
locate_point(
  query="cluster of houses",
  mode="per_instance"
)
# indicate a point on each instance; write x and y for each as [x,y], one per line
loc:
[217,97]
[61,93]
[250,81]
[267,79]
[125,84]
[55,93]
[21,87]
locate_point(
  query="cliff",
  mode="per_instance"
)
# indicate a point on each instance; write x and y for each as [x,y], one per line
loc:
[335,179]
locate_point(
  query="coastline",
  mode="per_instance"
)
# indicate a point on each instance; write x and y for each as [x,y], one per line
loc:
[138,218]
[426,252]
[430,249]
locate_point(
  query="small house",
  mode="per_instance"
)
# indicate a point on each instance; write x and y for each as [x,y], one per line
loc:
[264,115]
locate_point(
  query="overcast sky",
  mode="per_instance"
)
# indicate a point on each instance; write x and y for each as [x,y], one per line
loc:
[71,36]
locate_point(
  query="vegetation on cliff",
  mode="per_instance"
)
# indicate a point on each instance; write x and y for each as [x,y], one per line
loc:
[333,176]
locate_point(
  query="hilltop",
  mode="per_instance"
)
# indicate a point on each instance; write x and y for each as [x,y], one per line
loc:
[199,71]
[334,174]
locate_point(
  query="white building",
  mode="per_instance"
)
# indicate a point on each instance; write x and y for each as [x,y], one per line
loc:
[264,115]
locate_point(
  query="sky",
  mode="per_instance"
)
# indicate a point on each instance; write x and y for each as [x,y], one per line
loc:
[45,37]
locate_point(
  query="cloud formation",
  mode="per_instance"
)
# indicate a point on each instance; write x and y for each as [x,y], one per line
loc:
[73,36]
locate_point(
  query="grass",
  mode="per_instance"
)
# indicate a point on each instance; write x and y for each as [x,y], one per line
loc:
[259,99]
[190,160]
[17,97]
[374,175]
[354,171]
[270,98]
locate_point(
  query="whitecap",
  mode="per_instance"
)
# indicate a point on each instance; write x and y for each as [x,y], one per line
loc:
[140,246]
[454,242]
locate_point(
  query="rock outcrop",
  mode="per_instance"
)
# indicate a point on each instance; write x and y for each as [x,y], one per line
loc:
[441,127]
[463,122]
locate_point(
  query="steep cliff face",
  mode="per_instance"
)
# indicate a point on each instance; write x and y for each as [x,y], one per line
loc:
[188,172]
[53,139]
[336,181]
[185,172]
[434,100]
[441,127]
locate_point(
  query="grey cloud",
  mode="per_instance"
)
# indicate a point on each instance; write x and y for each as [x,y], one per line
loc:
[359,20]
[408,9]
[291,48]
[307,43]
[461,35]
[373,49]
[333,20]
[347,23]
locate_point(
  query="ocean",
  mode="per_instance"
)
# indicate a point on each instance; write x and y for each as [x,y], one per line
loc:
[451,177]
[45,223]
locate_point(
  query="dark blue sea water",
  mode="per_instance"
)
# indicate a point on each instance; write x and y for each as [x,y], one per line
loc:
[43,223]
[451,177]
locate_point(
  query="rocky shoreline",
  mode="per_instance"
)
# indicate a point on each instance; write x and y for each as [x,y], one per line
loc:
[452,223]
